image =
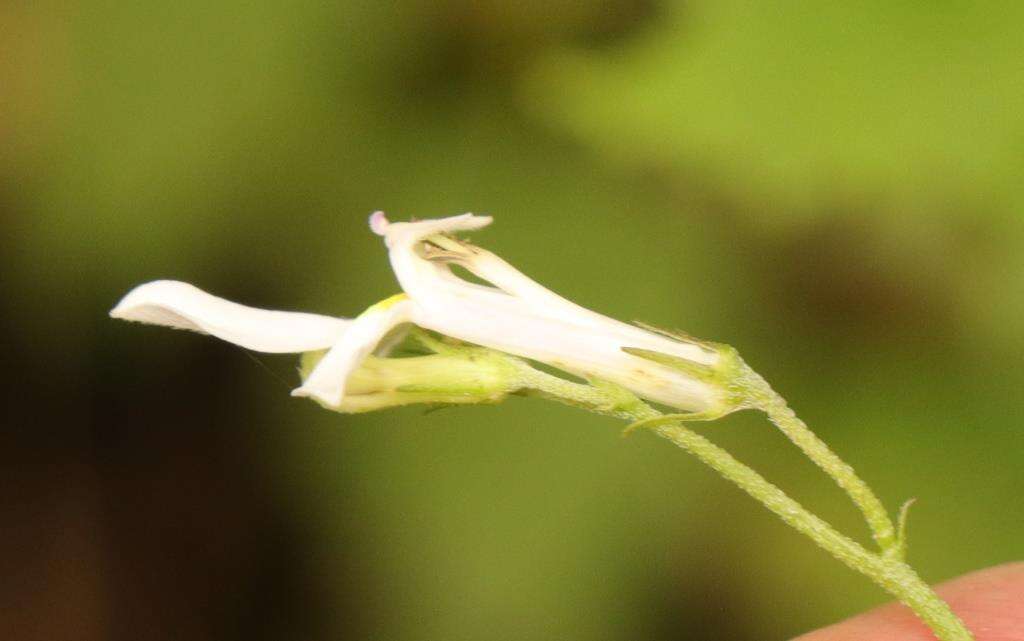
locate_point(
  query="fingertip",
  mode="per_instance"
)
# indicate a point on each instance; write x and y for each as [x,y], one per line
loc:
[990,602]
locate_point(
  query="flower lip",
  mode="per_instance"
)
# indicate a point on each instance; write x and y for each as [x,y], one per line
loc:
[182,306]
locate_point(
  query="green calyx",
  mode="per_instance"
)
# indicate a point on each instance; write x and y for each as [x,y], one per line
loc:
[738,384]
[455,375]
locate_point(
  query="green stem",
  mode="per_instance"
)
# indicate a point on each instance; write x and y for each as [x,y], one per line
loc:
[871,507]
[888,571]
[758,393]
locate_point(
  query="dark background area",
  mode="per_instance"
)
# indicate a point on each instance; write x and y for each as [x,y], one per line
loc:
[836,191]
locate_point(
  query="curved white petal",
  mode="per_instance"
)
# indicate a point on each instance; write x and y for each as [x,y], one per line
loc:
[407,234]
[422,279]
[585,351]
[543,301]
[175,304]
[525,319]
[326,382]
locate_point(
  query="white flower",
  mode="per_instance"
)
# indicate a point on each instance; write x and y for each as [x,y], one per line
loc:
[514,315]
[520,317]
[456,375]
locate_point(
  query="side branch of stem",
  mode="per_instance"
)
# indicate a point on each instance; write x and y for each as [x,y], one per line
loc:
[882,528]
[887,570]
[760,395]
[890,573]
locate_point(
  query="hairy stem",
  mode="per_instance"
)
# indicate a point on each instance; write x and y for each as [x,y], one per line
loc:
[889,571]
[842,473]
[761,396]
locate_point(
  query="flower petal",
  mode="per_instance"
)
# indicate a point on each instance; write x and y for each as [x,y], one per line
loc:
[407,234]
[183,306]
[524,319]
[585,351]
[543,301]
[326,383]
[429,283]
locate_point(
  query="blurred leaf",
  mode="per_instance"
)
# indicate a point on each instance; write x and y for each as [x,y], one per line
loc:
[919,101]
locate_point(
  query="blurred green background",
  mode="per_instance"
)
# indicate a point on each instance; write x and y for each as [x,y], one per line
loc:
[837,190]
